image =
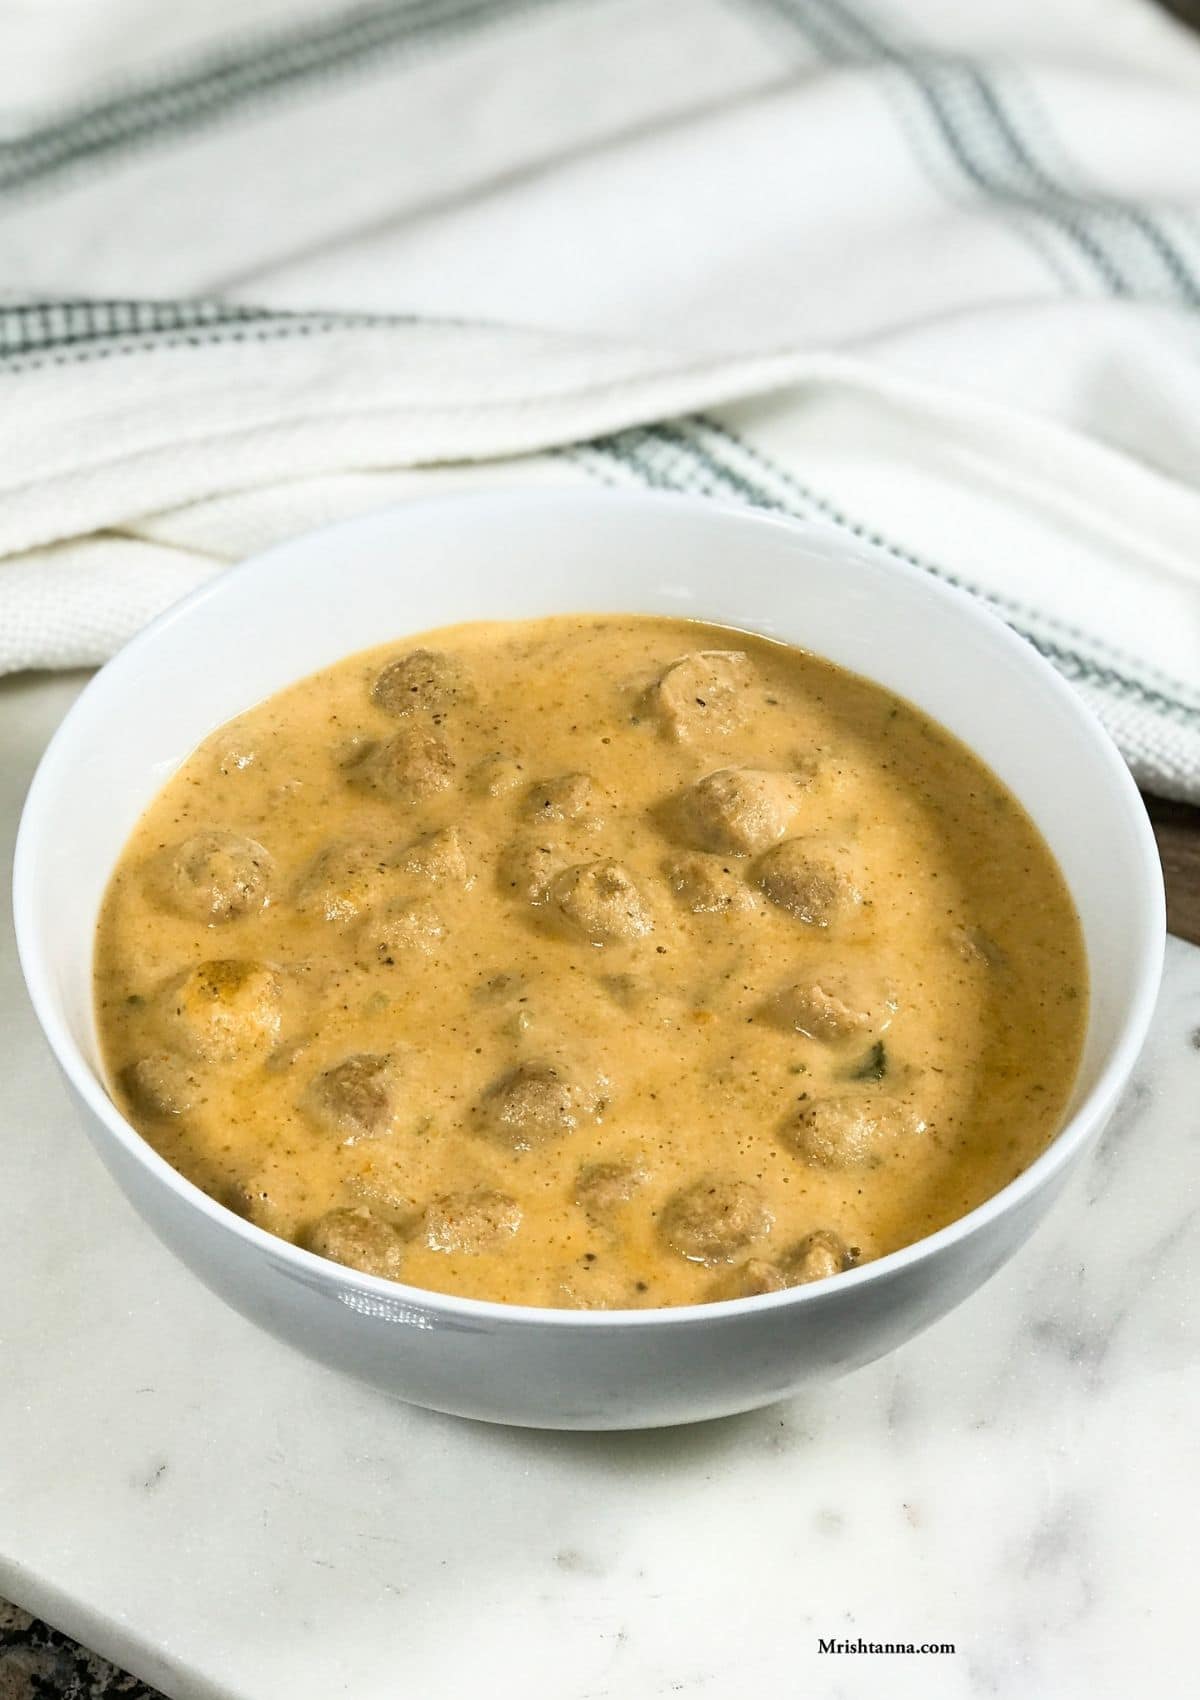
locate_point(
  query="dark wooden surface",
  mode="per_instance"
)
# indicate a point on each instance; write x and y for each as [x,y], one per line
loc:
[1177,828]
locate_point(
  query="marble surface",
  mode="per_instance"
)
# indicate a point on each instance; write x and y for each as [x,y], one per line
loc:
[225,1519]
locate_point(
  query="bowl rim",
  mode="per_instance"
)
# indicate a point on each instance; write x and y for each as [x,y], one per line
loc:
[1147,900]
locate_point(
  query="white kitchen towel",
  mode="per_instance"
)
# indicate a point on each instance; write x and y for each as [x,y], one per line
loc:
[926,273]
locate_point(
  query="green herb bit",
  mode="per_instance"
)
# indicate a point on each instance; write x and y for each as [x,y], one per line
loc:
[873,1066]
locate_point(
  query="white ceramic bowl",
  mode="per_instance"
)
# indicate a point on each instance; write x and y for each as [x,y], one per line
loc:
[303,605]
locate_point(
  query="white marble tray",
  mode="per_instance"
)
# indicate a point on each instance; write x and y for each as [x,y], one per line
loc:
[224,1519]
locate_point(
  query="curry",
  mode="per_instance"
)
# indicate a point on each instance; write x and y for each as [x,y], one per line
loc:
[595,962]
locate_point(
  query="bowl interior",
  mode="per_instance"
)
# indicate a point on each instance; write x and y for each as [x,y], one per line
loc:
[385,575]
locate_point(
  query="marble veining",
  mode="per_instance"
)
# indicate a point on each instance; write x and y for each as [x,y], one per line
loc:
[228,1520]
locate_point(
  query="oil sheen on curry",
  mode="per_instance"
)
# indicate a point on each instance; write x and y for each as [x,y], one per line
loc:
[594,962]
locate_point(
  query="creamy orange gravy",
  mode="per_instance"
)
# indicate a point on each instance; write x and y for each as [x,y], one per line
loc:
[590,962]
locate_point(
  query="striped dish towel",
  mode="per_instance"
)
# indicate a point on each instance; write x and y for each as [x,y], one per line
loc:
[924,272]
